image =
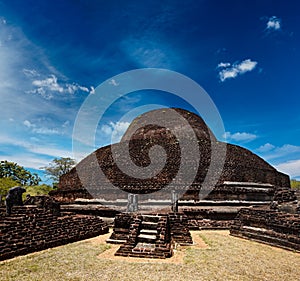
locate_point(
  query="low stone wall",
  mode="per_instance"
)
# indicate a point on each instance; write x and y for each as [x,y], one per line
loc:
[31,229]
[89,209]
[268,226]
[210,218]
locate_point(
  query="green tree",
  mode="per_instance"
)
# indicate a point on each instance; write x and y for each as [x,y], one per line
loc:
[18,173]
[58,167]
[6,184]
[36,190]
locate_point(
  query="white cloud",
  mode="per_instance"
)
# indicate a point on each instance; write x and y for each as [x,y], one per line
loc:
[46,131]
[50,85]
[266,147]
[41,130]
[106,129]
[72,88]
[28,124]
[113,82]
[270,151]
[22,62]
[246,65]
[35,153]
[51,151]
[243,137]
[115,130]
[26,160]
[147,52]
[66,124]
[92,91]
[30,73]
[231,71]
[274,23]
[223,64]
[291,168]
[228,73]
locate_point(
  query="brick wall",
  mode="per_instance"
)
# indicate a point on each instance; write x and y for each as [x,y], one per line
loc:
[268,226]
[31,229]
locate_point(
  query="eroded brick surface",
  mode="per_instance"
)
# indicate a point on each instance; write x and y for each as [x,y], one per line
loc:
[240,165]
[31,229]
[268,226]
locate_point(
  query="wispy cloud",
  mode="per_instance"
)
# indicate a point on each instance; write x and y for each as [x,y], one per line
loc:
[227,71]
[147,52]
[113,82]
[239,137]
[27,160]
[272,152]
[266,147]
[31,154]
[48,86]
[274,23]
[223,64]
[41,130]
[291,168]
[30,73]
[115,130]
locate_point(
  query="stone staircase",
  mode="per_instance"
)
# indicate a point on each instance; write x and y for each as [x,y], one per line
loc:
[149,237]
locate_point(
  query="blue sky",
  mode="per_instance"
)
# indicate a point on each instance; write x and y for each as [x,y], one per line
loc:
[53,54]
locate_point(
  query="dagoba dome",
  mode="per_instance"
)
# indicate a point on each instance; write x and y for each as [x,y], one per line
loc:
[243,176]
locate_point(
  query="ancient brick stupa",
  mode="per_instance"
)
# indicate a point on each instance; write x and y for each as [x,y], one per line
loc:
[243,176]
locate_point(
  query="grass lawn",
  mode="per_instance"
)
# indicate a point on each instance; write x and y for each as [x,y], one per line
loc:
[217,256]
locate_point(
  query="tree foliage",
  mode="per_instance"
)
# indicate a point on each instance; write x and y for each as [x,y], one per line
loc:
[18,173]
[37,190]
[58,167]
[6,184]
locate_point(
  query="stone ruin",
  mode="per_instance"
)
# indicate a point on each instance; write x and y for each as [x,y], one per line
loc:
[245,176]
[250,197]
[40,224]
[277,224]
[245,179]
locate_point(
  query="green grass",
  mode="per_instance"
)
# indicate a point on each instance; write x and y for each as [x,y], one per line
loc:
[225,258]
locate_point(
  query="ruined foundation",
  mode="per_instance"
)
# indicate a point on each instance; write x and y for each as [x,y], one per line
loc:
[31,228]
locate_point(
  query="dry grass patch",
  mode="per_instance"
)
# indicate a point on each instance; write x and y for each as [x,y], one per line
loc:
[221,257]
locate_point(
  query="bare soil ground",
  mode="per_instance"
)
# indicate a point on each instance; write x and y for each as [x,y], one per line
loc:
[215,256]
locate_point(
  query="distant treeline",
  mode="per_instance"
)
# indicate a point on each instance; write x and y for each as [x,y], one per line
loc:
[295,184]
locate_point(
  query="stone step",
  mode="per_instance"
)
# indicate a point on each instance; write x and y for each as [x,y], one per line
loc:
[115,241]
[143,247]
[149,225]
[151,218]
[148,231]
[146,238]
